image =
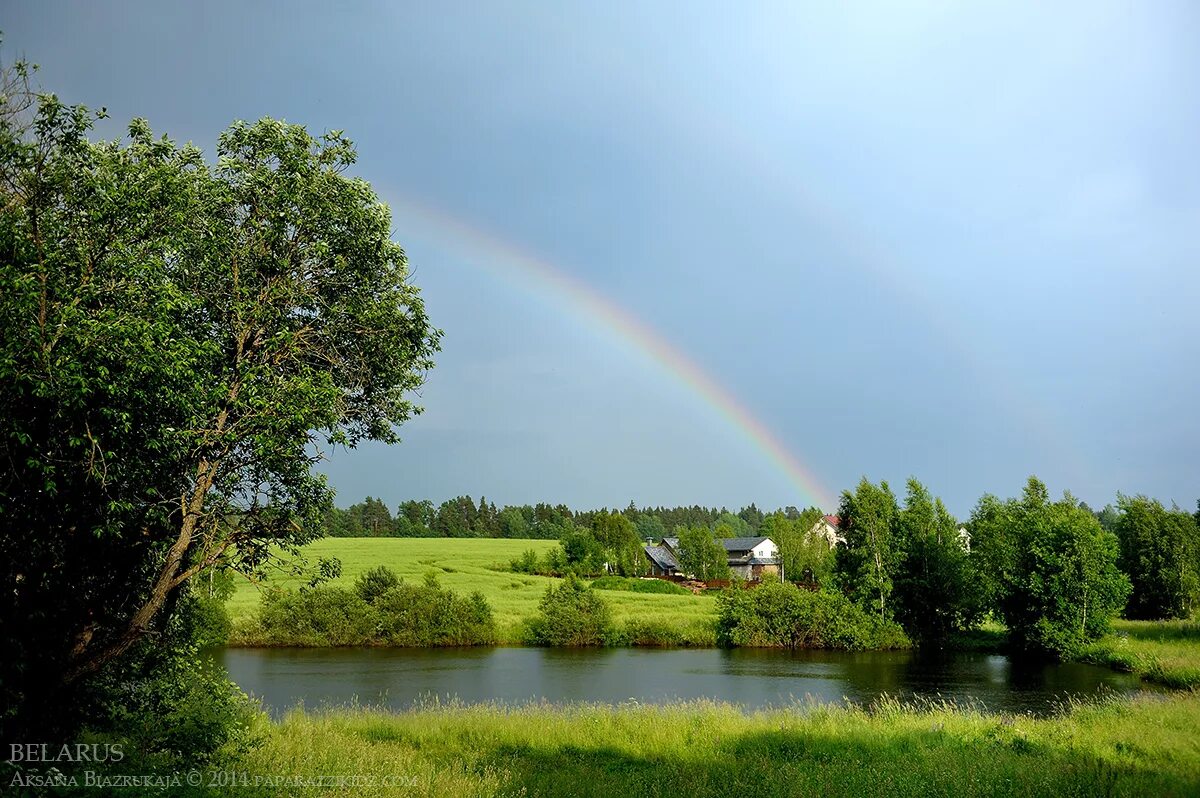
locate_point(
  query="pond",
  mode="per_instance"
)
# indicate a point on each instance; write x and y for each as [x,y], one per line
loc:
[398,678]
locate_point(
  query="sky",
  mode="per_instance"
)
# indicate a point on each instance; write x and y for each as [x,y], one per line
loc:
[713,253]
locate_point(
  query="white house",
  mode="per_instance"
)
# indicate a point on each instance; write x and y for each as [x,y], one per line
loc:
[829,529]
[748,558]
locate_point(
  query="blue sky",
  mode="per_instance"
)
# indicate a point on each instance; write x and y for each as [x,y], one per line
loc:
[952,241]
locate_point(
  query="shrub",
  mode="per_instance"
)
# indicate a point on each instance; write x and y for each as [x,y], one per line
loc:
[375,582]
[650,632]
[403,615]
[639,585]
[323,616]
[427,615]
[527,563]
[204,613]
[777,615]
[165,699]
[571,614]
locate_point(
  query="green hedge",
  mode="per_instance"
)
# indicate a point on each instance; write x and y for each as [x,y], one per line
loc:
[381,610]
[780,615]
[639,585]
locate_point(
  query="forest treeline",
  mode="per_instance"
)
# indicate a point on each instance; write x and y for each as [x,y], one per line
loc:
[463,517]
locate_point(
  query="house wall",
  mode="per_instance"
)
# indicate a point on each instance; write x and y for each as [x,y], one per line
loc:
[763,571]
[742,571]
[765,550]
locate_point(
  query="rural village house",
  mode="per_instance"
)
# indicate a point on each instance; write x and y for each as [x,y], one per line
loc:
[753,557]
[748,558]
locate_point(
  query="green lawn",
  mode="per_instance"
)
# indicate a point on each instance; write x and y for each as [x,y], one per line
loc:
[475,564]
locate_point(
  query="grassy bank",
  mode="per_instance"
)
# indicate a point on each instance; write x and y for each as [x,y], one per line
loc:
[1147,746]
[1165,652]
[466,565]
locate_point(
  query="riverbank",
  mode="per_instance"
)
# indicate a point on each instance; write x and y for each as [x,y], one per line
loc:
[1145,746]
[1162,652]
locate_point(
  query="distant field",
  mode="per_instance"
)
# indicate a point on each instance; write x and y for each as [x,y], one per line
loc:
[467,564]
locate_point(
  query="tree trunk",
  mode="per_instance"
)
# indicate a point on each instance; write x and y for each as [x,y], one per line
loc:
[84,660]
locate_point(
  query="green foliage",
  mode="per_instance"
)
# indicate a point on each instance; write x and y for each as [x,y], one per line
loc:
[621,544]
[368,518]
[402,614]
[571,614]
[700,555]
[427,615]
[1052,568]
[375,582]
[867,564]
[805,558]
[936,588]
[1160,551]
[781,615]
[527,563]
[178,338]
[584,553]
[164,698]
[323,616]
[640,585]
[512,523]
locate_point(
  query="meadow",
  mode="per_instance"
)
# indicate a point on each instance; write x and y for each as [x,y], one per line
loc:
[1146,746]
[469,564]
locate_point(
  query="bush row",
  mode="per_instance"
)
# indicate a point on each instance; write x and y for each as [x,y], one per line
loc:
[780,615]
[381,610]
[640,585]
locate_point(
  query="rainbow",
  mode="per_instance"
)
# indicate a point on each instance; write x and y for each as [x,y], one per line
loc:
[550,283]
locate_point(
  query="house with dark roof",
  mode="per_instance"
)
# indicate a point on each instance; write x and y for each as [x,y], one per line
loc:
[749,558]
[662,561]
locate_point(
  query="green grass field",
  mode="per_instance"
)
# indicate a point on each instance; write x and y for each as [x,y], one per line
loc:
[1147,746]
[473,564]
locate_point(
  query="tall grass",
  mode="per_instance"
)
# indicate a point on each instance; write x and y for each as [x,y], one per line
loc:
[1146,746]
[1165,652]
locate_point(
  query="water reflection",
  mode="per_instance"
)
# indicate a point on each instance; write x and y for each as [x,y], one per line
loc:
[396,678]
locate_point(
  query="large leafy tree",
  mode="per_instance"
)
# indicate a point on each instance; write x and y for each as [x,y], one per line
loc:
[179,340]
[622,545]
[1054,577]
[700,555]
[805,557]
[867,563]
[1160,551]
[936,589]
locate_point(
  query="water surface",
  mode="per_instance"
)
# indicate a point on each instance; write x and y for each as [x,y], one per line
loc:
[397,678]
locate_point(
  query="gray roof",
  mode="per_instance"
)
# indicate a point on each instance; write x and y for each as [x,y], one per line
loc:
[740,544]
[661,557]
